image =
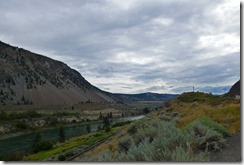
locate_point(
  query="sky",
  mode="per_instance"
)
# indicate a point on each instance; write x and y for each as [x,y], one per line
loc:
[133,46]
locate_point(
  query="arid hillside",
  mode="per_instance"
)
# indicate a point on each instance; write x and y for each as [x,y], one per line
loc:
[29,78]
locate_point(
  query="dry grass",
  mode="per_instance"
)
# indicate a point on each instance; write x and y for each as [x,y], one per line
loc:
[226,114]
[110,146]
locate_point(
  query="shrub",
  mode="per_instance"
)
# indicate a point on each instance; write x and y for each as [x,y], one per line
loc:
[125,143]
[214,125]
[149,132]
[61,135]
[21,125]
[61,157]
[167,144]
[203,138]
[43,145]
[146,110]
[107,129]
[141,152]
[168,140]
[132,129]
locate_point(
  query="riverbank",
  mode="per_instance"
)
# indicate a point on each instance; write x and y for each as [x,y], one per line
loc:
[23,141]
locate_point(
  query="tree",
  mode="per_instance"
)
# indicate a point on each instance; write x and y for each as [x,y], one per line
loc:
[43,145]
[100,116]
[106,124]
[146,110]
[110,115]
[99,127]
[37,138]
[88,128]
[23,98]
[61,135]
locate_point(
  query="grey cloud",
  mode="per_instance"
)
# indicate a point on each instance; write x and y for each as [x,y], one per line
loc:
[92,33]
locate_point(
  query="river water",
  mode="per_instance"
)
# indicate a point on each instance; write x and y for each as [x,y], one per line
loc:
[24,142]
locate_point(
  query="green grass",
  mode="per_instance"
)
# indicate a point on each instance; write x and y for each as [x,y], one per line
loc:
[193,105]
[84,140]
[203,97]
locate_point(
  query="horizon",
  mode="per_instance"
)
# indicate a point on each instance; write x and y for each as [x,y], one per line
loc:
[127,47]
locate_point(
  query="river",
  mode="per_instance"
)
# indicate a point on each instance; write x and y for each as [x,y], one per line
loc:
[24,142]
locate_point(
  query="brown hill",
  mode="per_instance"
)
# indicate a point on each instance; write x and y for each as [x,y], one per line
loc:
[29,78]
[234,90]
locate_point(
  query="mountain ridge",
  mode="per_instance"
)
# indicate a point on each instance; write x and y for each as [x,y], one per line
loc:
[234,90]
[146,96]
[28,78]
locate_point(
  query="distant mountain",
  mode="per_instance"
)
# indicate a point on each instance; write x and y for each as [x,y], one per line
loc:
[145,97]
[29,78]
[234,90]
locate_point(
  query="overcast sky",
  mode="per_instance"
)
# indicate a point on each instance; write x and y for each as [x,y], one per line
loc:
[133,46]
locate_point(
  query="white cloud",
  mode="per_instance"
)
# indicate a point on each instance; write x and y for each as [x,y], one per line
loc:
[132,45]
[220,44]
[131,57]
[162,21]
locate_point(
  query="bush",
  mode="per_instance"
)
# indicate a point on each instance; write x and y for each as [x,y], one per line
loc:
[132,130]
[214,125]
[141,152]
[21,125]
[143,133]
[203,138]
[107,129]
[124,143]
[146,110]
[61,157]
[156,140]
[43,145]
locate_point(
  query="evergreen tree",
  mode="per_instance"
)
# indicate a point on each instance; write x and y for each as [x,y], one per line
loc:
[106,124]
[100,116]
[99,127]
[110,115]
[61,135]
[88,128]
[23,98]
[37,139]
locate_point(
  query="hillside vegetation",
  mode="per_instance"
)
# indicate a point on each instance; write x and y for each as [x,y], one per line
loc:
[193,105]
[188,128]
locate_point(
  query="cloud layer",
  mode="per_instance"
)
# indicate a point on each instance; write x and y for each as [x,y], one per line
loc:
[133,46]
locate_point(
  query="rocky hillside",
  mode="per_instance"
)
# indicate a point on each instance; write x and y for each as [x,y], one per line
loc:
[29,78]
[234,90]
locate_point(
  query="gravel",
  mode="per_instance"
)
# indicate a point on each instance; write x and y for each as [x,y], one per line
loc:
[231,153]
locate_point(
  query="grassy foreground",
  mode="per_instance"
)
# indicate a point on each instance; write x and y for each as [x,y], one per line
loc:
[188,128]
[190,106]
[80,142]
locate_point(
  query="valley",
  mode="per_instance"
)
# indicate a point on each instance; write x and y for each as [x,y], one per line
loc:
[50,112]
